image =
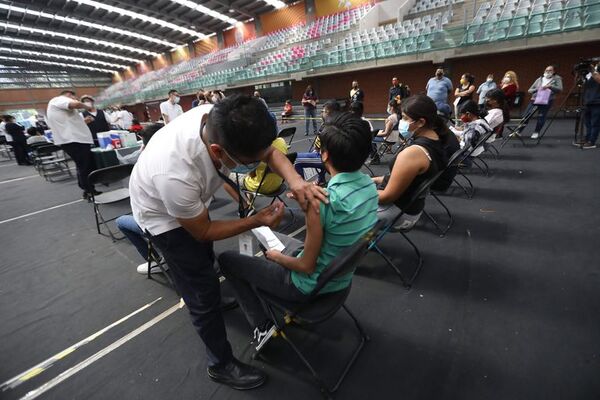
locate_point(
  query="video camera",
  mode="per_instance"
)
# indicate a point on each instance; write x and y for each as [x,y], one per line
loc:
[584,66]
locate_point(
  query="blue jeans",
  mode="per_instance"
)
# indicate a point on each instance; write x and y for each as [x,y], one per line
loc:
[191,265]
[542,113]
[592,122]
[310,112]
[134,233]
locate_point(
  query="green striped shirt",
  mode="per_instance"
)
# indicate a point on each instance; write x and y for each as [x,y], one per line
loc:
[351,212]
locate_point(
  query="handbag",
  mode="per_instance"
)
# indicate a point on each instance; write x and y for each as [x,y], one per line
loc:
[542,97]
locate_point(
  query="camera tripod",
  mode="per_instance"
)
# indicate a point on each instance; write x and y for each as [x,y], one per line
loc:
[578,88]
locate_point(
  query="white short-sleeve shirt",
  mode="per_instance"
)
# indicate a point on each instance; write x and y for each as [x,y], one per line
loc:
[174,176]
[494,117]
[126,119]
[171,110]
[67,125]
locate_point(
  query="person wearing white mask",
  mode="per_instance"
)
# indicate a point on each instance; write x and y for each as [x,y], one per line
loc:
[483,89]
[549,81]
[95,119]
[170,109]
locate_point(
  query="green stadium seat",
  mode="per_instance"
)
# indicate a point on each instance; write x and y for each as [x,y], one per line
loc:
[515,32]
[499,34]
[591,9]
[534,28]
[592,20]
[572,20]
[552,26]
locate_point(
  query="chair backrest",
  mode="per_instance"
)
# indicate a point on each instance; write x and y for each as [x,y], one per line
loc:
[346,260]
[46,149]
[287,132]
[110,174]
[38,144]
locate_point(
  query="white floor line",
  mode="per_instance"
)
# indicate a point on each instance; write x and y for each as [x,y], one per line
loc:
[19,179]
[92,359]
[44,365]
[40,211]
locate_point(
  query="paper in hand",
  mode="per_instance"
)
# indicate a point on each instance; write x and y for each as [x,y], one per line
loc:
[267,238]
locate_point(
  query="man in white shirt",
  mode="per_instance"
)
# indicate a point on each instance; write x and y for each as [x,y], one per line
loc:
[125,119]
[170,109]
[3,130]
[171,187]
[71,133]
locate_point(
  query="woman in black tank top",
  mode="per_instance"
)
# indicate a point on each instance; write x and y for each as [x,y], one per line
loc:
[418,162]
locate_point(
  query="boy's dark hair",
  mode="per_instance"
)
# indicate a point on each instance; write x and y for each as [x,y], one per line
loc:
[32,131]
[347,139]
[172,91]
[149,131]
[500,98]
[470,107]
[242,125]
[332,106]
[357,108]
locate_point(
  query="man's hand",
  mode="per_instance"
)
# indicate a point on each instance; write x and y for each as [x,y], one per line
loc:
[306,193]
[271,215]
[89,119]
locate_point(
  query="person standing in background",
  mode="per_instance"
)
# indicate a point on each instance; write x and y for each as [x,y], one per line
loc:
[356,93]
[72,134]
[94,118]
[465,92]
[309,101]
[19,141]
[3,132]
[200,98]
[257,95]
[438,88]
[398,90]
[483,89]
[549,81]
[591,101]
[510,86]
[170,109]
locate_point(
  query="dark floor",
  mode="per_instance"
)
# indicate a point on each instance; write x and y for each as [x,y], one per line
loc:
[507,305]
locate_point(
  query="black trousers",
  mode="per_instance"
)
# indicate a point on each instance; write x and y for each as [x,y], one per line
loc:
[81,154]
[192,266]
[20,150]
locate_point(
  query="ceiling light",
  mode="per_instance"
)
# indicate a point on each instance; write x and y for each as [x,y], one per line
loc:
[92,41]
[59,56]
[275,3]
[68,48]
[56,63]
[204,10]
[85,23]
[137,15]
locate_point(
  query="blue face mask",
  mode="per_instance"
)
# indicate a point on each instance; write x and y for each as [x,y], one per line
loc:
[403,128]
[245,168]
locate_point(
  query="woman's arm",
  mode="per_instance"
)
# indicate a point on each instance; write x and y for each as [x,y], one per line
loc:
[389,125]
[312,247]
[464,93]
[409,163]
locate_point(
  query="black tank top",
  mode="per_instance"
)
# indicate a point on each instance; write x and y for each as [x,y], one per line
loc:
[437,162]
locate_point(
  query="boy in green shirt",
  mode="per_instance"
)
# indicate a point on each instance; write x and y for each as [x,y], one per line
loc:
[351,212]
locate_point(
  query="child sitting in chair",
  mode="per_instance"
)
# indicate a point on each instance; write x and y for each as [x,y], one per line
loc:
[288,111]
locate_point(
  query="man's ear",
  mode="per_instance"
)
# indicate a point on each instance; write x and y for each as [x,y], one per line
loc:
[216,149]
[324,156]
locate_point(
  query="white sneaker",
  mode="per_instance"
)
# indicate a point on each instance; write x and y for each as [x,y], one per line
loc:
[535,135]
[154,269]
[261,337]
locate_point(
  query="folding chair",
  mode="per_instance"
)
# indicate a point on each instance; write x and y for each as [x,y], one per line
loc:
[160,262]
[107,176]
[515,130]
[421,192]
[49,160]
[288,132]
[319,308]
[5,149]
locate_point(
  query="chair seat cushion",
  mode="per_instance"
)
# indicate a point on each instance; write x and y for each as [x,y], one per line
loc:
[318,310]
[112,196]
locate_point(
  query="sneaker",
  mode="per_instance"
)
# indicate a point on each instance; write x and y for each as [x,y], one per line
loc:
[589,145]
[263,335]
[154,269]
[305,133]
[578,144]
[535,135]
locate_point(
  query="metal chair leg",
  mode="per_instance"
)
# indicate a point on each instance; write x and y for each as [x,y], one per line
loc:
[448,213]
[485,169]
[419,260]
[391,264]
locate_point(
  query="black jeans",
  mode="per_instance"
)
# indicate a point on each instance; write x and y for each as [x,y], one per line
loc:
[20,150]
[191,264]
[81,154]
[246,273]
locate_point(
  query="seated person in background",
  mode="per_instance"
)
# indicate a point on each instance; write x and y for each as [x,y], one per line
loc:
[135,126]
[35,136]
[474,127]
[271,182]
[312,159]
[357,109]
[389,134]
[288,111]
[497,111]
[351,212]
[19,141]
[418,162]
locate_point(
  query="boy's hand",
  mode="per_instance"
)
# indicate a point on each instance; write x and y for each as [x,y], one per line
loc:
[273,255]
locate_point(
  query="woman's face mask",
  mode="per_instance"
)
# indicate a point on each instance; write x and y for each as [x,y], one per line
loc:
[176,99]
[463,81]
[465,118]
[506,79]
[548,74]
[404,128]
[489,80]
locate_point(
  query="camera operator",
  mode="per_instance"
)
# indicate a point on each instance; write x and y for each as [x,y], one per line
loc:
[591,101]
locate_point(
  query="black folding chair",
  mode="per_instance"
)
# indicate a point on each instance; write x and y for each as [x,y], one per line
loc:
[5,149]
[50,161]
[319,308]
[107,176]
[288,132]
[154,257]
[515,130]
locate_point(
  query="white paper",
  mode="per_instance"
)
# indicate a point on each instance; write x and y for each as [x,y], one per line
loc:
[246,245]
[267,238]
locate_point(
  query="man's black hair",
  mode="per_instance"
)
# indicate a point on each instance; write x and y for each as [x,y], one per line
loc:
[67,91]
[357,108]
[149,131]
[470,107]
[332,106]
[172,91]
[32,131]
[347,140]
[242,125]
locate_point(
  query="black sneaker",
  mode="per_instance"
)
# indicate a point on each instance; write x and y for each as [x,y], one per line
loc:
[263,334]
[237,375]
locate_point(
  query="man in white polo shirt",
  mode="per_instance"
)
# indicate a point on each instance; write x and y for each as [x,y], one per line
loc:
[71,133]
[171,188]
[170,109]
